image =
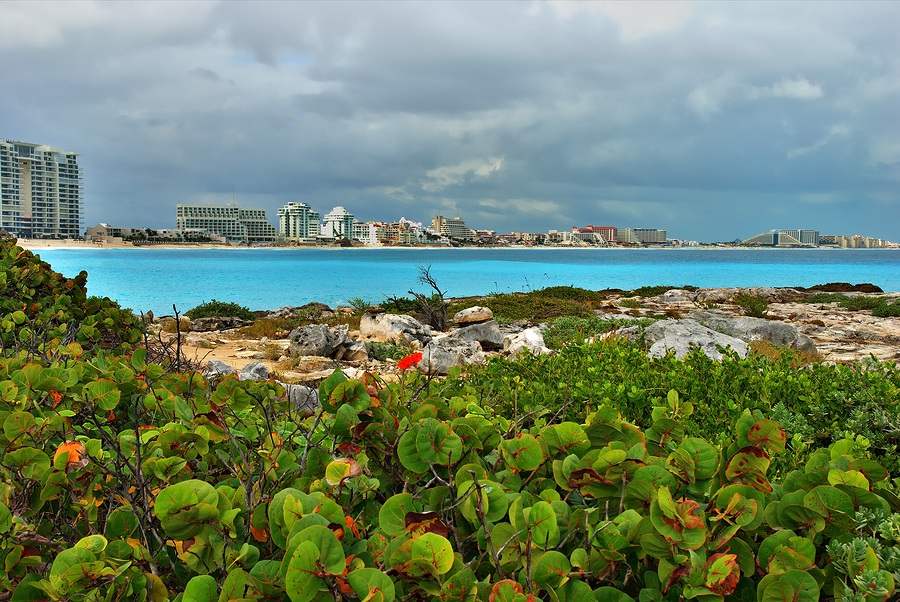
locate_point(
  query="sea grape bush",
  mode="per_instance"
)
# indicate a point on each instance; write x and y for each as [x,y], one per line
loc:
[822,403]
[38,305]
[137,484]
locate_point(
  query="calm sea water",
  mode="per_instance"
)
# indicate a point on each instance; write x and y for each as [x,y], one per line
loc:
[157,279]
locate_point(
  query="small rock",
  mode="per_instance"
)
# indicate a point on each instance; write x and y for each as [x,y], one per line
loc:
[473,315]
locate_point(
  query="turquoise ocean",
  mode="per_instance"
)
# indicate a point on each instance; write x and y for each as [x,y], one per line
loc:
[156,279]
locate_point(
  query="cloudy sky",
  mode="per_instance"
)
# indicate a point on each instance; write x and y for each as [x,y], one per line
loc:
[712,120]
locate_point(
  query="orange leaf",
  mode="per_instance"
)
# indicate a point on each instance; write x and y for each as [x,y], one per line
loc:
[260,535]
[76,452]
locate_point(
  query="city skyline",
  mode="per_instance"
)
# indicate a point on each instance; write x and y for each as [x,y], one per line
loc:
[712,120]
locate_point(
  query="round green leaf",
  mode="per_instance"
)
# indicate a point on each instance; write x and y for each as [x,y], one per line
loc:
[331,554]
[409,453]
[705,456]
[102,393]
[522,453]
[434,551]
[302,580]
[392,516]
[201,588]
[190,521]
[363,581]
[542,523]
[93,543]
[551,570]
[796,586]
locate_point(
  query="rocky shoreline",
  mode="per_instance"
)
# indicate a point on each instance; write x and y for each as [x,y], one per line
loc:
[702,317]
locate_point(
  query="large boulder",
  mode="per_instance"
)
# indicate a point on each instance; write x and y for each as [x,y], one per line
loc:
[756,329]
[216,323]
[684,336]
[530,339]
[487,334]
[393,328]
[444,353]
[472,315]
[317,339]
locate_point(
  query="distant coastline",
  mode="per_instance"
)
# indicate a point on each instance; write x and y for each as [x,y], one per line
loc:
[47,245]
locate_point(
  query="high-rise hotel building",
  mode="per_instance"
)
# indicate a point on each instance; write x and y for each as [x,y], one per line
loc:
[245,224]
[41,191]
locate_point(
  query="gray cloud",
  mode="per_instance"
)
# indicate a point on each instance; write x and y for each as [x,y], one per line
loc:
[711,120]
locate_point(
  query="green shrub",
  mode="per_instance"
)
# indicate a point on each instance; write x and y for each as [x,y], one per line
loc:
[382,351]
[220,309]
[38,304]
[399,305]
[572,329]
[543,304]
[754,306]
[826,298]
[632,303]
[879,306]
[860,302]
[887,310]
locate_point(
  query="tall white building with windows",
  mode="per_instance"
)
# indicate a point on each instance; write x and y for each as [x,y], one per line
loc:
[338,224]
[41,191]
[297,221]
[245,224]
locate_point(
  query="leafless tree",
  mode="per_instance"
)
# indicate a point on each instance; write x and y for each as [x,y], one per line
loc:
[433,309]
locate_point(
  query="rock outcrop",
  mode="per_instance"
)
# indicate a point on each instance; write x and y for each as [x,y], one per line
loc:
[487,334]
[393,328]
[443,353]
[530,339]
[755,329]
[684,336]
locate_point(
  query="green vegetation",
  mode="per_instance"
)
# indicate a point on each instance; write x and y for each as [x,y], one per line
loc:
[834,400]
[632,303]
[754,306]
[359,304]
[383,351]
[220,309]
[879,306]
[542,304]
[594,474]
[572,329]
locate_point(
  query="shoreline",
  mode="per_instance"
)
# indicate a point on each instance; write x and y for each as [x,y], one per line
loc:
[57,245]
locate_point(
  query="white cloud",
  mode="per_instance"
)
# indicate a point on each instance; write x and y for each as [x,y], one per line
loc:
[711,97]
[799,89]
[442,177]
[836,131]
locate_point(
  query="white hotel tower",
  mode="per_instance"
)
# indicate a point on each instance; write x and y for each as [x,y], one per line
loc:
[41,191]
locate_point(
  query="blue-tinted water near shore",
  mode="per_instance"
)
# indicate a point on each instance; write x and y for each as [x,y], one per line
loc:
[155,279]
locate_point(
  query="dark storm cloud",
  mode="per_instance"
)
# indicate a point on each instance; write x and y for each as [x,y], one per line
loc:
[711,120]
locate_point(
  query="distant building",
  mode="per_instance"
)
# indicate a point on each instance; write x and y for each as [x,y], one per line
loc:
[452,228]
[298,222]
[796,238]
[41,191]
[601,233]
[338,224]
[245,224]
[365,233]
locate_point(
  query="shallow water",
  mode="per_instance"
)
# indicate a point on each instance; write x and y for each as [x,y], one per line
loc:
[157,279]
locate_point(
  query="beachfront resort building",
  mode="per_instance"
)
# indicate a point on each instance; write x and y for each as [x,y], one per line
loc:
[298,222]
[452,228]
[338,223]
[41,191]
[243,224]
[787,238]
